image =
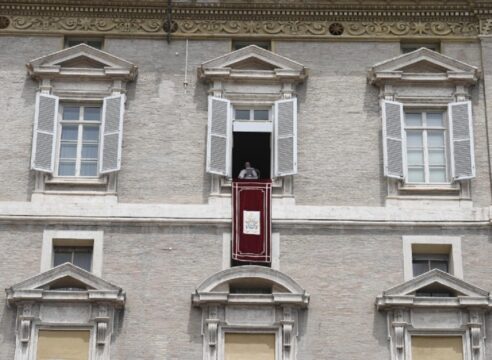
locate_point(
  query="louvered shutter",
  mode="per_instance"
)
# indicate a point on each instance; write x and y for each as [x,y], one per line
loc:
[394,152]
[112,133]
[44,133]
[285,137]
[219,136]
[461,140]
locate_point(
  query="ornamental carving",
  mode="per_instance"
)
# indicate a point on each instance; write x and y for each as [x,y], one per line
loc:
[232,28]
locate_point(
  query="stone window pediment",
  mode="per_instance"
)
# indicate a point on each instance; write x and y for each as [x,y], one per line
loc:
[252,63]
[250,299]
[457,310]
[81,60]
[65,298]
[423,65]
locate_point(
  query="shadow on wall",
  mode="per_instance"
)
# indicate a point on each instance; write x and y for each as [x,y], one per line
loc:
[29,98]
[7,332]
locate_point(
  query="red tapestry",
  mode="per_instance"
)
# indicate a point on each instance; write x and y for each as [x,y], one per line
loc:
[251,225]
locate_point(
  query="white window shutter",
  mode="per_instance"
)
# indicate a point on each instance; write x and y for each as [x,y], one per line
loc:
[112,133]
[285,142]
[394,148]
[461,140]
[44,133]
[219,136]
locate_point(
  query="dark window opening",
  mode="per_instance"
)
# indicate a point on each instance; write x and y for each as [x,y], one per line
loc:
[407,47]
[94,42]
[239,44]
[424,263]
[80,256]
[255,148]
[436,290]
[242,263]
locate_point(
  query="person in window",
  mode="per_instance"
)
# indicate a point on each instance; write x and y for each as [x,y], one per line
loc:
[248,172]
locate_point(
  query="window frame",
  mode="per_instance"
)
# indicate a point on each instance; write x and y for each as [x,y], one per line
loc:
[408,47]
[50,237]
[73,250]
[455,262]
[425,146]
[80,123]
[83,40]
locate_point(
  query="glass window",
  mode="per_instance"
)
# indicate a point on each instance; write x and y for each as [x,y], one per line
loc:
[252,114]
[427,262]
[94,42]
[426,147]
[409,47]
[80,256]
[79,140]
[239,44]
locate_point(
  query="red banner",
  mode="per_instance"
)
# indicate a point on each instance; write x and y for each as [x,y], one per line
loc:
[251,225]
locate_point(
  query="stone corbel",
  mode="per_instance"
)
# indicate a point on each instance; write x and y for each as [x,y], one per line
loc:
[217,89]
[287,332]
[475,326]
[212,331]
[461,93]
[399,324]
[287,90]
[25,323]
[388,93]
[119,87]
[45,86]
[102,324]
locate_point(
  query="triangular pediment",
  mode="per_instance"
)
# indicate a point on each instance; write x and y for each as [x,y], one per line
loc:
[65,276]
[87,60]
[423,65]
[252,62]
[436,280]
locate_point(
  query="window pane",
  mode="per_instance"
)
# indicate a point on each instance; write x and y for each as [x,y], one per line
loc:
[434,119]
[71,112]
[242,114]
[415,157]
[420,267]
[435,138]
[68,151]
[88,168]
[95,43]
[89,151]
[92,113]
[66,168]
[61,257]
[436,157]
[413,119]
[416,174]
[414,138]
[439,264]
[83,260]
[91,133]
[69,132]
[437,174]
[261,115]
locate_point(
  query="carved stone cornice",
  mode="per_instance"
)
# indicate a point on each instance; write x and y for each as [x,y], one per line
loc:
[280,19]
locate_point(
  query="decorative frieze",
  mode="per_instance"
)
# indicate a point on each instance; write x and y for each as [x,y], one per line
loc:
[237,28]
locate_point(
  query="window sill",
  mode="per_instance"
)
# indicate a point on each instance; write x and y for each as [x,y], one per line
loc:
[227,183]
[429,189]
[103,180]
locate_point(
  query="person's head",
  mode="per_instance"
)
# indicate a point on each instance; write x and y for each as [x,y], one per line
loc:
[247,164]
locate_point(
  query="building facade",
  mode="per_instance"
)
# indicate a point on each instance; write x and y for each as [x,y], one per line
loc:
[125,126]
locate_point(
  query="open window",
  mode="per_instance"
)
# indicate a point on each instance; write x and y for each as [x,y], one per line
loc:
[435,316]
[427,124]
[250,312]
[252,114]
[77,135]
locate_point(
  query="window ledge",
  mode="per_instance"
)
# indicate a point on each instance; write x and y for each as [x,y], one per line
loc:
[103,180]
[452,190]
[227,183]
